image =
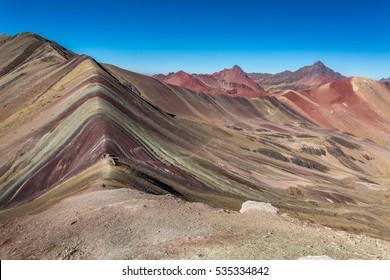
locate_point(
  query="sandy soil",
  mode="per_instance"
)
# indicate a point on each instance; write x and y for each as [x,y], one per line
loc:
[103,223]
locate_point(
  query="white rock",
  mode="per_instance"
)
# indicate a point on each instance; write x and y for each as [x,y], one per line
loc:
[258,206]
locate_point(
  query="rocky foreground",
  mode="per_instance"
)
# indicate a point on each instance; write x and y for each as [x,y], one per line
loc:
[103,223]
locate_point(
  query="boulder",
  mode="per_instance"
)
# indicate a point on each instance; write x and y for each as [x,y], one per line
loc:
[258,206]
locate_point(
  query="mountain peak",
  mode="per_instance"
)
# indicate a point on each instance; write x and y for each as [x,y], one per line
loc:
[235,71]
[237,68]
[319,68]
[318,65]
[3,38]
[319,62]
[385,80]
[181,72]
[31,35]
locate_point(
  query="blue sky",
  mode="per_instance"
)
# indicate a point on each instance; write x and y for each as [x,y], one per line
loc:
[150,36]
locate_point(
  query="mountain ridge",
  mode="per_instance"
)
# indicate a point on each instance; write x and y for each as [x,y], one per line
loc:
[77,125]
[231,81]
[385,80]
[306,77]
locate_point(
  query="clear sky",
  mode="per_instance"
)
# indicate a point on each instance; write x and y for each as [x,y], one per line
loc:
[204,36]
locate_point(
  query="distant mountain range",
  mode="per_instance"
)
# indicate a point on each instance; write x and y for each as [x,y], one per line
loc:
[385,80]
[232,81]
[304,78]
[236,82]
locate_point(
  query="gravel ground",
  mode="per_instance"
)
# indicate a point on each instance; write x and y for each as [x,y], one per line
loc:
[103,223]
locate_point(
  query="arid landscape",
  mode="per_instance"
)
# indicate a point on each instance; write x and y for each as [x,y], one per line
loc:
[98,162]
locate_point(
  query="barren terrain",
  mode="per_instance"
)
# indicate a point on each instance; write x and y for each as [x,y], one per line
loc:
[105,223]
[86,148]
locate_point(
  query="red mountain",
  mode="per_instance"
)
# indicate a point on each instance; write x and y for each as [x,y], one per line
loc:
[356,105]
[304,78]
[233,82]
